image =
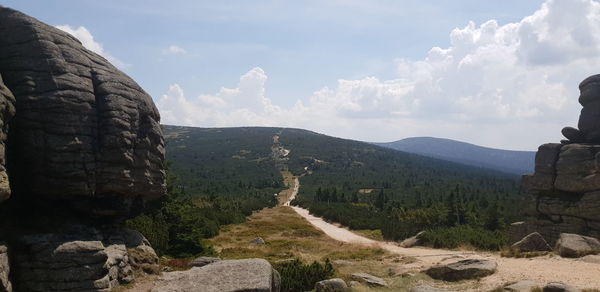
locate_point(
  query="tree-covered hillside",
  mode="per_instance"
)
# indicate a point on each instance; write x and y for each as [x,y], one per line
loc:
[361,185]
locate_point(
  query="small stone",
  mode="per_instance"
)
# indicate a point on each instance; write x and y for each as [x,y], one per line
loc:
[462,270]
[257,240]
[331,285]
[369,279]
[593,259]
[425,288]
[559,287]
[413,241]
[203,261]
[521,286]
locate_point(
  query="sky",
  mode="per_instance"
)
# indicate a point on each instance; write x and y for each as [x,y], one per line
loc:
[501,74]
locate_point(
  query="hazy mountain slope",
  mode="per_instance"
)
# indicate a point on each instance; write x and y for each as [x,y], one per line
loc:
[517,162]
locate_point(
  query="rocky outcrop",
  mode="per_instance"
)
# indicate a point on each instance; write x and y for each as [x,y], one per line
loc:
[80,143]
[332,285]
[575,245]
[530,243]
[80,258]
[224,276]
[425,288]
[462,270]
[84,135]
[369,280]
[566,183]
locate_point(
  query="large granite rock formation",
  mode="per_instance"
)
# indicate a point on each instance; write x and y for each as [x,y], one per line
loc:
[84,133]
[566,182]
[80,142]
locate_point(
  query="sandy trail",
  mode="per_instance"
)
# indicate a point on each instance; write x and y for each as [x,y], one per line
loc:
[540,269]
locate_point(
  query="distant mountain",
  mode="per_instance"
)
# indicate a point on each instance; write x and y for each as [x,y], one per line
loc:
[517,162]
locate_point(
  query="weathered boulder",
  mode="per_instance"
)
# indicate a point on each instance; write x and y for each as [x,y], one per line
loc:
[559,287]
[7,111]
[5,285]
[462,270]
[532,242]
[575,245]
[84,135]
[369,280]
[331,285]
[425,288]
[255,275]
[413,241]
[521,286]
[80,258]
[203,261]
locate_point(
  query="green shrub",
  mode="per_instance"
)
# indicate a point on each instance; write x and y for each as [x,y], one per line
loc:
[296,276]
[453,237]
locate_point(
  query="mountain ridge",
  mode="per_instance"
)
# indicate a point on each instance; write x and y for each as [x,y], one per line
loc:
[511,161]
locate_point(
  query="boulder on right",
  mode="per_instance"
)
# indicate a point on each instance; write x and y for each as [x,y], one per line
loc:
[575,245]
[463,270]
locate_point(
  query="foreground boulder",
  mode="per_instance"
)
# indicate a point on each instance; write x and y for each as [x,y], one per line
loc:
[254,275]
[332,285]
[462,270]
[81,258]
[369,280]
[85,136]
[575,245]
[531,242]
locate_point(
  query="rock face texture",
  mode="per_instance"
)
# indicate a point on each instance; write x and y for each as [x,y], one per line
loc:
[566,183]
[531,242]
[80,143]
[81,258]
[463,270]
[369,279]
[7,111]
[84,133]
[5,284]
[255,275]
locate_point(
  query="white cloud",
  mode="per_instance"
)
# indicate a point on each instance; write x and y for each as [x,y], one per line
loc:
[87,40]
[512,85]
[174,50]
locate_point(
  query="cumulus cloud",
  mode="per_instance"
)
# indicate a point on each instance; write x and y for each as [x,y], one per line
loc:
[174,50]
[511,85]
[87,40]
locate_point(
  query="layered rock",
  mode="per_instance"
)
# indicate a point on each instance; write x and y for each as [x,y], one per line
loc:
[463,270]
[566,182]
[80,142]
[81,258]
[7,111]
[84,133]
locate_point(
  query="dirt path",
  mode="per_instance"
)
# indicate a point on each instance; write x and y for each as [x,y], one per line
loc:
[540,269]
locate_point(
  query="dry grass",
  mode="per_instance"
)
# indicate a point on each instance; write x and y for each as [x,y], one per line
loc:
[512,253]
[288,180]
[288,235]
[372,234]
